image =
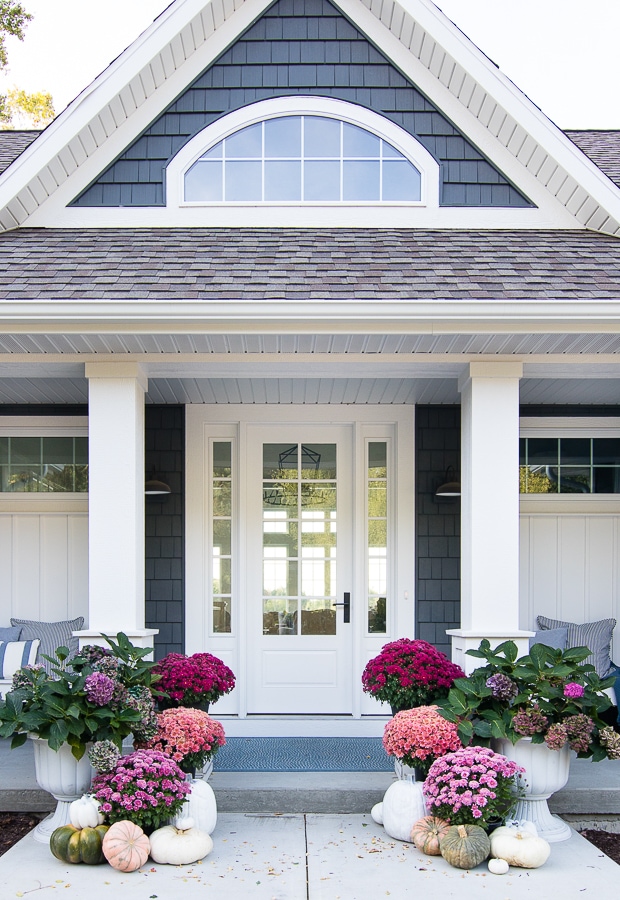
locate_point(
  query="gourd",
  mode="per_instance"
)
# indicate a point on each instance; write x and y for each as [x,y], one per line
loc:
[403,805]
[427,832]
[498,866]
[200,805]
[181,845]
[125,846]
[78,845]
[376,813]
[465,846]
[84,813]
[519,847]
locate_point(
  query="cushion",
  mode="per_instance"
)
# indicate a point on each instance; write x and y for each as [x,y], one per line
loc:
[14,655]
[552,637]
[51,635]
[10,634]
[596,636]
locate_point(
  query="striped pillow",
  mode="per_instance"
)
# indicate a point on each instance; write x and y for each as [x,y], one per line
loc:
[596,636]
[51,635]
[14,655]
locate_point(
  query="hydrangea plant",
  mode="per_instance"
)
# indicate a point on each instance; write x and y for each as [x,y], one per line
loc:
[547,695]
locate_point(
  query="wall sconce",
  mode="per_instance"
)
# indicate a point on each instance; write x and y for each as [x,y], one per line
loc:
[450,487]
[154,486]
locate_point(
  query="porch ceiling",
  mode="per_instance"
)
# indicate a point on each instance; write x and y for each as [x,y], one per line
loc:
[534,391]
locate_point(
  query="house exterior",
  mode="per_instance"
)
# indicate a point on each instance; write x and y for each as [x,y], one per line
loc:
[305,262]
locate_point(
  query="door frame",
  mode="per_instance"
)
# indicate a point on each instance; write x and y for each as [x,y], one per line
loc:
[205,423]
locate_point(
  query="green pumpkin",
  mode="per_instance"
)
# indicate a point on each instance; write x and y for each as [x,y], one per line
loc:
[78,845]
[465,846]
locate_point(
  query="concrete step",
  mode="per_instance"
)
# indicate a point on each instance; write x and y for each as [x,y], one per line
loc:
[593,789]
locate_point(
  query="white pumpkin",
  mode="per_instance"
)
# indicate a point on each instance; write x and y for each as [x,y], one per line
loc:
[84,812]
[201,805]
[179,847]
[403,805]
[519,847]
[498,866]
[521,825]
[376,813]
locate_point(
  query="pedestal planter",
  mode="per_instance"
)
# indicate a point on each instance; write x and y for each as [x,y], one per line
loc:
[546,771]
[64,777]
[407,773]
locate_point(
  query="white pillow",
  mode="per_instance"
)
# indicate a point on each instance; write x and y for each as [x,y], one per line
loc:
[15,654]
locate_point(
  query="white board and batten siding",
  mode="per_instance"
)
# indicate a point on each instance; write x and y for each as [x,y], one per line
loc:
[43,560]
[570,560]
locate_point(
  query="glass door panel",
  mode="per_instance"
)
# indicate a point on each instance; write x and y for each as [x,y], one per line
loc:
[299,539]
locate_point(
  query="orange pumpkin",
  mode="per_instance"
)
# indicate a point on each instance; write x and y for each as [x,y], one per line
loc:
[427,832]
[125,846]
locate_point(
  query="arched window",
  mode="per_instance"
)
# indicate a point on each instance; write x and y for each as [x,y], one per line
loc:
[306,159]
[309,151]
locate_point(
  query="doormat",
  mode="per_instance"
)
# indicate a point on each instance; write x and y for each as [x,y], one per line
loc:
[303,754]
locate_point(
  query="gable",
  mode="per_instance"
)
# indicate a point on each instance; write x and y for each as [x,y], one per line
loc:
[302,47]
[416,43]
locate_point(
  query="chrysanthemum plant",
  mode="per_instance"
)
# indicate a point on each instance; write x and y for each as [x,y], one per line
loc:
[409,673]
[549,695]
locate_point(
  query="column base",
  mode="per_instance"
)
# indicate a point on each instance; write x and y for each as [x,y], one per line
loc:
[462,641]
[139,637]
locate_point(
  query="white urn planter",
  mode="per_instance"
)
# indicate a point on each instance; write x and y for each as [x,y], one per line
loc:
[64,777]
[546,771]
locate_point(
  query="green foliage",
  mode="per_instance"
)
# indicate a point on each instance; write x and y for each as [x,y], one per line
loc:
[532,688]
[13,20]
[58,708]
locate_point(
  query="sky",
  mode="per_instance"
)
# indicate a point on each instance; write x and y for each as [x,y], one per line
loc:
[562,53]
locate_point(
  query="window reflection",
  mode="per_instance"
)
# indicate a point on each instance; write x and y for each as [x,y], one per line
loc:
[302,159]
[299,539]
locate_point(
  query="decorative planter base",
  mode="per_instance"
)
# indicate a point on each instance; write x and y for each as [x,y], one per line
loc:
[64,777]
[546,771]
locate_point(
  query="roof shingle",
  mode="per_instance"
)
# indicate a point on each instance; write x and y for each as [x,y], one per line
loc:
[302,264]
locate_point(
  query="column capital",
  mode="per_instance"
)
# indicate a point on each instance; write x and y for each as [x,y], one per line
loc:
[490,369]
[121,369]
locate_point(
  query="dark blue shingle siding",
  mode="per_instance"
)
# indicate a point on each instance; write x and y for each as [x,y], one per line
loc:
[307,47]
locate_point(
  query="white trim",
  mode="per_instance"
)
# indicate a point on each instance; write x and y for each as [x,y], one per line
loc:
[35,503]
[384,215]
[570,426]
[277,316]
[326,107]
[569,504]
[44,426]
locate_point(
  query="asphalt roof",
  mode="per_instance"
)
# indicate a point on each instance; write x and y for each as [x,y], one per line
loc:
[301,264]
[12,143]
[603,148]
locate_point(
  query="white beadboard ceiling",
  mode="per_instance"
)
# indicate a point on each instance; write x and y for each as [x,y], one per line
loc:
[493,344]
[311,390]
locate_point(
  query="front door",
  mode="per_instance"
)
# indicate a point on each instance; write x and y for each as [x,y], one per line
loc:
[300,569]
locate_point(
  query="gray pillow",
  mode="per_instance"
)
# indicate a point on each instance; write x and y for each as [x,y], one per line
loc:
[10,634]
[51,635]
[596,636]
[552,637]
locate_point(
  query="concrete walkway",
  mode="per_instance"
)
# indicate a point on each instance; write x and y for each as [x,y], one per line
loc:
[308,857]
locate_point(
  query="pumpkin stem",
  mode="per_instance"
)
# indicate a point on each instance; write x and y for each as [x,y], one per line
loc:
[462,831]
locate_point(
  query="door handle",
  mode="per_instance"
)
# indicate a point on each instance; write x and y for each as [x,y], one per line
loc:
[347,607]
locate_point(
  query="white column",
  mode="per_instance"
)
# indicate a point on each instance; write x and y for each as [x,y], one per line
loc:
[489,509]
[116,502]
